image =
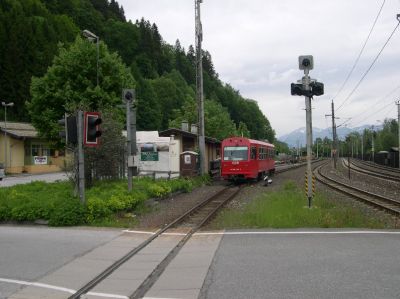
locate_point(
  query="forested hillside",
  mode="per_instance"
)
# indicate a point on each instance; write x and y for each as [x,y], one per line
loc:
[32,32]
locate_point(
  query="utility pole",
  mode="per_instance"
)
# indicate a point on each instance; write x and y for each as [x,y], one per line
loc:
[352,148]
[81,160]
[373,146]
[199,86]
[398,123]
[334,136]
[308,88]
[129,97]
[334,143]
[306,84]
[362,146]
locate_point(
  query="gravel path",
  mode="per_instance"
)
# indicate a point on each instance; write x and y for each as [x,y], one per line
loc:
[166,210]
[364,181]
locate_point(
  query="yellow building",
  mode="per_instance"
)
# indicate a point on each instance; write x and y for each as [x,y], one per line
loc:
[21,150]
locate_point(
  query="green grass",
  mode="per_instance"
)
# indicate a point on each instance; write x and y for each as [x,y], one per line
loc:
[287,208]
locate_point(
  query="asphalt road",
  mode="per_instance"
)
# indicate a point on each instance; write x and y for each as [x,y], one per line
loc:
[255,264]
[28,178]
[28,253]
[355,265]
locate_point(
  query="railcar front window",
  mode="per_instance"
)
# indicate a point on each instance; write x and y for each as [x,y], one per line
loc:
[236,153]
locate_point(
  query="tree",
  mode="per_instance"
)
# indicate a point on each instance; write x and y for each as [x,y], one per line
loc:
[218,123]
[281,147]
[70,83]
[29,34]
[169,96]
[107,160]
[242,130]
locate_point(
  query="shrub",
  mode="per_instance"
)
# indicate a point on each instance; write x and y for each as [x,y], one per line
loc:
[96,209]
[54,201]
[158,190]
[68,212]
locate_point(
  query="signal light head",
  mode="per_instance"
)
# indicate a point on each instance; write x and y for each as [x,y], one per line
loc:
[317,88]
[296,89]
[92,129]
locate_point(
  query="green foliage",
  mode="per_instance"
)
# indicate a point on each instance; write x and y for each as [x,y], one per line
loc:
[39,200]
[68,213]
[29,34]
[71,83]
[281,147]
[54,201]
[384,139]
[217,120]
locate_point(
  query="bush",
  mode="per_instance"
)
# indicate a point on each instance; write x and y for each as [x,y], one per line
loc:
[156,191]
[54,201]
[68,213]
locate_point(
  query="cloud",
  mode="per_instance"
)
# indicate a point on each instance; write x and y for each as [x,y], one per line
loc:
[255,44]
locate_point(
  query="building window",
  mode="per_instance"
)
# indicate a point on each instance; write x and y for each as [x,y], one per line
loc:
[38,150]
[45,151]
[35,149]
[253,154]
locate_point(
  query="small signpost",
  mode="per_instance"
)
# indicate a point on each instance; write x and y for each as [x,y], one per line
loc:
[149,156]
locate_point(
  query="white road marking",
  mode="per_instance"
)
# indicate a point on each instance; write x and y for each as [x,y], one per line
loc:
[37,284]
[275,233]
[139,232]
[61,289]
[301,233]
[152,233]
[107,295]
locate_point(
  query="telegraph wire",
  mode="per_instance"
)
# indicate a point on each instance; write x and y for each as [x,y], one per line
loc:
[380,100]
[370,67]
[374,112]
[362,49]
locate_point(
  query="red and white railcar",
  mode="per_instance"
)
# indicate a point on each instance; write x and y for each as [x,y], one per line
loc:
[244,158]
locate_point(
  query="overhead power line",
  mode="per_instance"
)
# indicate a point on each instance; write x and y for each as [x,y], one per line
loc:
[374,113]
[370,67]
[362,49]
[372,107]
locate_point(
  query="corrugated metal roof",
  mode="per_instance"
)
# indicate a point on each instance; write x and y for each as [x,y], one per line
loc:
[174,131]
[19,130]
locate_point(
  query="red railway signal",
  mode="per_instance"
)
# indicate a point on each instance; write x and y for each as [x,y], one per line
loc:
[92,132]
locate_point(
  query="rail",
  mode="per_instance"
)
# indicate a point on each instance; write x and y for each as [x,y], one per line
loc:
[226,194]
[382,202]
[357,168]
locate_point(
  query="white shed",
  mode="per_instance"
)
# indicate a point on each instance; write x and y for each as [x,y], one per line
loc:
[156,154]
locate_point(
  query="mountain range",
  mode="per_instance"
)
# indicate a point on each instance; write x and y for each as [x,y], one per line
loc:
[298,136]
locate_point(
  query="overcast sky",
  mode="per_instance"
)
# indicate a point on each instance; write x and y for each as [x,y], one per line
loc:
[255,46]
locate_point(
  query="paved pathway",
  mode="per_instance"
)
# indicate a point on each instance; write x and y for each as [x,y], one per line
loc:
[28,178]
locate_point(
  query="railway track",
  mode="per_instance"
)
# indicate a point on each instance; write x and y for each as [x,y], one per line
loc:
[384,169]
[295,166]
[394,177]
[190,222]
[382,202]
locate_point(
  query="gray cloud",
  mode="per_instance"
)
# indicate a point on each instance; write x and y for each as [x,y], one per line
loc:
[255,45]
